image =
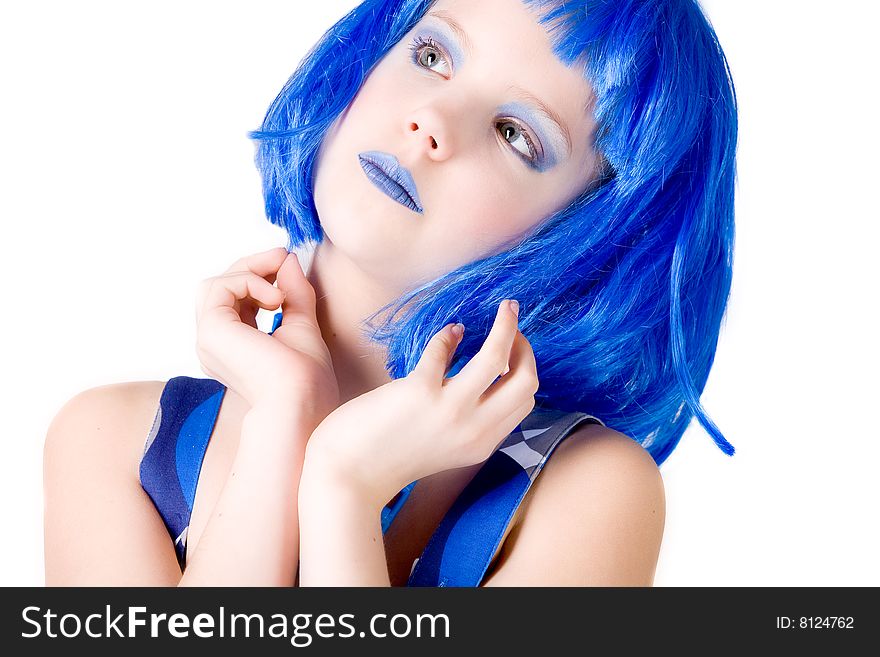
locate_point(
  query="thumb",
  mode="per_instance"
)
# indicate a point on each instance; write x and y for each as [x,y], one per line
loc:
[439,352]
[299,303]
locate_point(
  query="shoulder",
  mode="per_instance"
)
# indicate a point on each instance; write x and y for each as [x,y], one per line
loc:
[114,421]
[109,398]
[593,517]
[115,417]
[105,410]
[593,452]
[98,524]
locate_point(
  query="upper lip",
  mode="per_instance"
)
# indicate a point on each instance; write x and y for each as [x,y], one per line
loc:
[391,167]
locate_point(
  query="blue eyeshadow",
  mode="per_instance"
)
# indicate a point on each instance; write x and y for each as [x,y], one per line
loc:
[551,146]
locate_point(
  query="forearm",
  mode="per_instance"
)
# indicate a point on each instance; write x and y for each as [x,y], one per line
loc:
[341,541]
[252,536]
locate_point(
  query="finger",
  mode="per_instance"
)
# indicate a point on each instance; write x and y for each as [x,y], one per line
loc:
[492,358]
[458,331]
[262,264]
[228,291]
[516,388]
[300,302]
[438,353]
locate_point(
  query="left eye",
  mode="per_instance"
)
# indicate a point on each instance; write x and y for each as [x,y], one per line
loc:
[426,53]
[512,130]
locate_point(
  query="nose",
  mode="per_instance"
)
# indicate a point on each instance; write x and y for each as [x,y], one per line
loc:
[429,129]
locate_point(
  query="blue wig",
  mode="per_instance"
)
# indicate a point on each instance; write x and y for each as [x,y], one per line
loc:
[622,293]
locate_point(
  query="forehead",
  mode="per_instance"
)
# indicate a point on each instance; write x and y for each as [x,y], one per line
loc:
[514,19]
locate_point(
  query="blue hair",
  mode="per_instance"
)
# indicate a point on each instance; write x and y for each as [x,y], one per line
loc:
[622,294]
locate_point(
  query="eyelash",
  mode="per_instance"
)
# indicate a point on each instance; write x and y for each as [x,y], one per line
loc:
[415,48]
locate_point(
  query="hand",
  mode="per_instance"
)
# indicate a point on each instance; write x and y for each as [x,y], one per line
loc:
[291,366]
[425,423]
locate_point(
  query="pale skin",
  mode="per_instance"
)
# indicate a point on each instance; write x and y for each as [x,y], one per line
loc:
[594,516]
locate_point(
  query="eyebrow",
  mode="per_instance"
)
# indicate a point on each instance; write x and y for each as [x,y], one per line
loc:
[542,108]
[546,111]
[458,29]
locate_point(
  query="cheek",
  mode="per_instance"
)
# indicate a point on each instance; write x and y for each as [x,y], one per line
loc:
[366,110]
[493,210]
[379,90]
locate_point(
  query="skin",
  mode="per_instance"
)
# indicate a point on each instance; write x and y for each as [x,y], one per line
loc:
[595,515]
[478,194]
[441,122]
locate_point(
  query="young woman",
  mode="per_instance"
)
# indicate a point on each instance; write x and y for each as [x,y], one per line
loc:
[438,159]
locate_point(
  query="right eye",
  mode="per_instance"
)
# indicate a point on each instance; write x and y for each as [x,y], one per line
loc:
[427,52]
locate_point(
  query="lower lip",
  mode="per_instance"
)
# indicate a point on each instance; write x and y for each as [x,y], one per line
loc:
[391,188]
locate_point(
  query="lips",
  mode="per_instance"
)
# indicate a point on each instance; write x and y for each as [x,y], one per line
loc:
[387,173]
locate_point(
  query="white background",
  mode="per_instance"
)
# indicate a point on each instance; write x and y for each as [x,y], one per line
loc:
[126,177]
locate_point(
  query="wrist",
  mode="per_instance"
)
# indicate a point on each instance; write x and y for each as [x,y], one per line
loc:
[326,474]
[289,413]
[281,419]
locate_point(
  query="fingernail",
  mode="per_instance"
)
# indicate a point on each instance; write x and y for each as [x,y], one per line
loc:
[458,330]
[514,306]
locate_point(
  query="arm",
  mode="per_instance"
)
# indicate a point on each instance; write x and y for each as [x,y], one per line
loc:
[101,528]
[418,425]
[594,517]
[287,378]
[252,536]
[341,542]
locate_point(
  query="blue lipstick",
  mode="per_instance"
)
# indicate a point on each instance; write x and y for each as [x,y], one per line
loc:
[389,175]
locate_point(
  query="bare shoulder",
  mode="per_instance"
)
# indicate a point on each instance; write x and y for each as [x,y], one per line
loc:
[99,526]
[593,517]
[115,417]
[595,449]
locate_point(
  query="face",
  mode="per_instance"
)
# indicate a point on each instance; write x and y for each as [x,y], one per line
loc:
[493,131]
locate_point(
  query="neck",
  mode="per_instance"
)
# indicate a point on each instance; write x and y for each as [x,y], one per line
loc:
[346,296]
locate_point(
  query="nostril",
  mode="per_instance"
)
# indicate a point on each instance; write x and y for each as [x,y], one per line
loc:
[415,126]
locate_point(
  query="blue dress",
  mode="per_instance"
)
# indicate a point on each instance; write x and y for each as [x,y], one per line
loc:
[459,551]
